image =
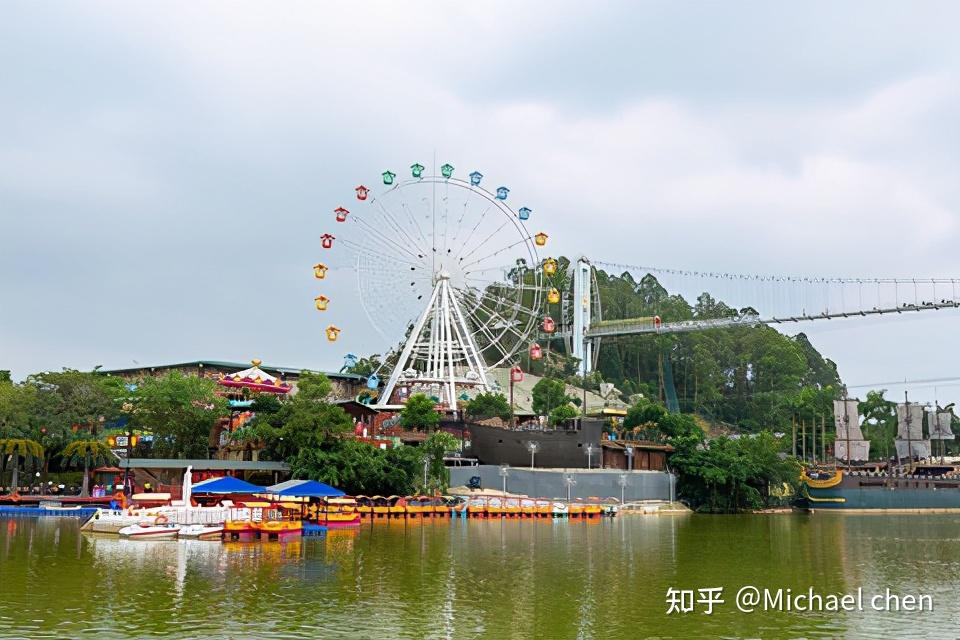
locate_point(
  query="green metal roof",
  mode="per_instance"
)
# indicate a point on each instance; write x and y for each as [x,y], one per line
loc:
[239,366]
[202,465]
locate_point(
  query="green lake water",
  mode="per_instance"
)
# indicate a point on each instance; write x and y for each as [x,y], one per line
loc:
[510,579]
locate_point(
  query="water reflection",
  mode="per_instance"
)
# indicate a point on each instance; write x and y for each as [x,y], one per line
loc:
[504,579]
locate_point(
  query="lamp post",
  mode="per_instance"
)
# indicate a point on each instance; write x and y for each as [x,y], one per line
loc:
[504,472]
[532,447]
[622,481]
[589,452]
[569,480]
[516,375]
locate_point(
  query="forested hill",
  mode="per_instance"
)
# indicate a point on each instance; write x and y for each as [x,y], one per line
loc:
[749,377]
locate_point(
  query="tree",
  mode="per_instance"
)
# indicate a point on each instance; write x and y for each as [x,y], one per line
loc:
[548,394]
[433,450]
[30,451]
[88,452]
[879,422]
[562,414]
[488,405]
[180,411]
[419,413]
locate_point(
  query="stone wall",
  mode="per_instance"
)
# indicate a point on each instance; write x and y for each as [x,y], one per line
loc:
[549,483]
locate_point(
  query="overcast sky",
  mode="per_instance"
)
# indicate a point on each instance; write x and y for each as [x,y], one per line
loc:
[166,168]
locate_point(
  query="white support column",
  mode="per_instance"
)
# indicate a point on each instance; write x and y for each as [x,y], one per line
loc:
[407,349]
[582,296]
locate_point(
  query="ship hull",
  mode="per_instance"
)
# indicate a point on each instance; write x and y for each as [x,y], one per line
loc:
[860,494]
[556,448]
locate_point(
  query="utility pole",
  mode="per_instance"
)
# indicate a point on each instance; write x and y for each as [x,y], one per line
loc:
[823,439]
[803,439]
[793,428]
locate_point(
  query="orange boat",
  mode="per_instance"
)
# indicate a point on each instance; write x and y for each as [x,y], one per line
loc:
[544,508]
[281,529]
[398,507]
[419,507]
[495,508]
[441,507]
[576,510]
[528,508]
[477,508]
[511,507]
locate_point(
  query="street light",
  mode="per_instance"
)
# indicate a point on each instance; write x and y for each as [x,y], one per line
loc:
[622,481]
[589,452]
[504,472]
[532,447]
[569,480]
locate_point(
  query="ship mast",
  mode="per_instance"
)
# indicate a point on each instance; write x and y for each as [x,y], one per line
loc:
[909,420]
[846,425]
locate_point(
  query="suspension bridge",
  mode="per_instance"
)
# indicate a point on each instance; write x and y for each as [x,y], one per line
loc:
[749,300]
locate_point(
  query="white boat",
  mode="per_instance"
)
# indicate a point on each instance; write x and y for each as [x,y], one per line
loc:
[112,520]
[149,531]
[560,509]
[201,532]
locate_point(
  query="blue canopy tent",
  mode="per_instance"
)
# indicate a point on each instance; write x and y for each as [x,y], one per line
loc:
[225,485]
[304,489]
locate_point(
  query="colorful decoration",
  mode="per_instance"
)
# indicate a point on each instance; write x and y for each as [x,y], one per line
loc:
[417,170]
[388,177]
[549,266]
[321,301]
[524,213]
[446,170]
[516,374]
[320,271]
[540,239]
[502,193]
[254,379]
[362,192]
[349,362]
[326,240]
[549,326]
[553,296]
[373,381]
[475,178]
[535,351]
[341,214]
[333,333]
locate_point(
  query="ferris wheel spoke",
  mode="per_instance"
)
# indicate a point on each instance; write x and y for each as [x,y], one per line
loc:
[366,252]
[463,214]
[398,228]
[466,242]
[508,322]
[492,340]
[484,242]
[413,219]
[389,241]
[496,253]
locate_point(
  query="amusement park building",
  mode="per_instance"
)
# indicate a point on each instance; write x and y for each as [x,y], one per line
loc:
[346,386]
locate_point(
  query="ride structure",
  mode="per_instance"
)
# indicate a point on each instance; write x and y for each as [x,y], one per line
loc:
[448,271]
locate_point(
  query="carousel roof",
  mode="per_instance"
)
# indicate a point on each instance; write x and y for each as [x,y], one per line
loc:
[255,379]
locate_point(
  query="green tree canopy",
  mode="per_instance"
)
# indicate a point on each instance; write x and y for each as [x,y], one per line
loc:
[180,412]
[548,394]
[419,412]
[488,405]
[87,452]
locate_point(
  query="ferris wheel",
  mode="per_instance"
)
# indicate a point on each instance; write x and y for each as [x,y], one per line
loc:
[447,270]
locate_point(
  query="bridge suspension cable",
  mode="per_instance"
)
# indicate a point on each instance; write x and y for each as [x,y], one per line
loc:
[753,299]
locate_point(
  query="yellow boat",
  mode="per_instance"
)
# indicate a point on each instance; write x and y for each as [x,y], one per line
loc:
[398,507]
[495,508]
[364,507]
[381,507]
[576,510]
[528,508]
[544,508]
[282,529]
[511,507]
[419,507]
[477,508]
[340,512]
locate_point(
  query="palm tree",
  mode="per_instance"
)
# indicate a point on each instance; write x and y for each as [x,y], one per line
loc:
[18,448]
[89,451]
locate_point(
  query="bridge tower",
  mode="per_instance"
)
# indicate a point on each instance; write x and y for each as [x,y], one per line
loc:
[581,347]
